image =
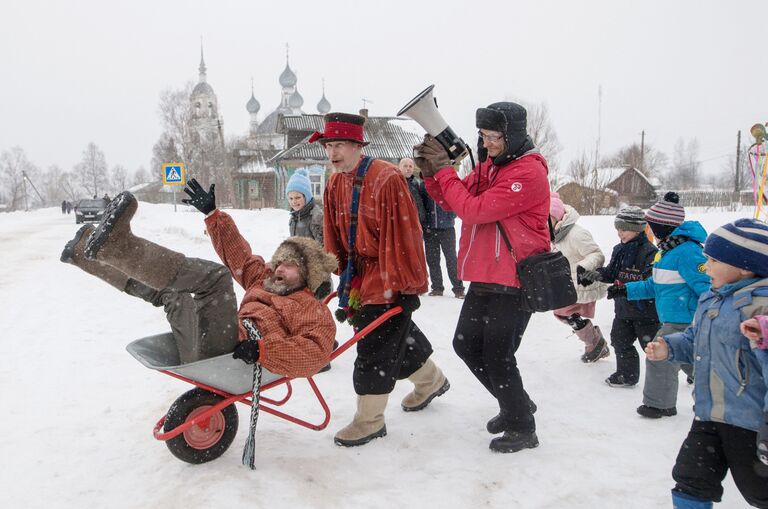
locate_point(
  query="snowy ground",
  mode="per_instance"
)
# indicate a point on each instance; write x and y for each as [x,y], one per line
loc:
[78,410]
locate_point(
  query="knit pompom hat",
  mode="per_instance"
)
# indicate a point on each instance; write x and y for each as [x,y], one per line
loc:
[742,243]
[630,219]
[299,182]
[665,215]
[556,206]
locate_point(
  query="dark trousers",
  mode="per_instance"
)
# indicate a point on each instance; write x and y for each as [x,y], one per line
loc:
[393,351]
[434,240]
[709,451]
[488,334]
[624,332]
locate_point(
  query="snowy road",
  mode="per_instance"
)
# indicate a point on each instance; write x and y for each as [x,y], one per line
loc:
[78,410]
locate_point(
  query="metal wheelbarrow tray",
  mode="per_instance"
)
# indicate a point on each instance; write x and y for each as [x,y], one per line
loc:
[202,423]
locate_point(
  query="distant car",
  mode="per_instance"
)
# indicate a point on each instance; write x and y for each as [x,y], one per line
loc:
[89,210]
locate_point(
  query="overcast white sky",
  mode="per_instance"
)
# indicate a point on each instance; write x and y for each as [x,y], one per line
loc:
[80,71]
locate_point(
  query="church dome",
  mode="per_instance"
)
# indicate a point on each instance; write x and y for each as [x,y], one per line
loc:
[287,78]
[323,106]
[296,101]
[202,88]
[252,105]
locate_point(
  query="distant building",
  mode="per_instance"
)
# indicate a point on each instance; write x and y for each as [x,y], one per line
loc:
[615,187]
[277,146]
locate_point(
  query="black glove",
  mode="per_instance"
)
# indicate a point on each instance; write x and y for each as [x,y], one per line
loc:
[198,198]
[247,351]
[430,156]
[586,277]
[409,303]
[615,291]
[762,442]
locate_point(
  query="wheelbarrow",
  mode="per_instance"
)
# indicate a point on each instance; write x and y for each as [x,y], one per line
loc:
[202,423]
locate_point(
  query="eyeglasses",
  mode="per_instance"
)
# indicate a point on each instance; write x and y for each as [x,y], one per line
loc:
[490,137]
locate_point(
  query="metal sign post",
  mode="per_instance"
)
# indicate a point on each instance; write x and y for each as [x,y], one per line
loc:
[173,175]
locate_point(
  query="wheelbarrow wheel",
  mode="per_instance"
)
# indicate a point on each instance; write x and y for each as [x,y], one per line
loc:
[206,440]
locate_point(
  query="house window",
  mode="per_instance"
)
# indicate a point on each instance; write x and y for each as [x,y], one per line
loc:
[317,185]
[253,189]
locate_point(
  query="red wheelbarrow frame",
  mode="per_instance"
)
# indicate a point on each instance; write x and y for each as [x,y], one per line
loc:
[203,418]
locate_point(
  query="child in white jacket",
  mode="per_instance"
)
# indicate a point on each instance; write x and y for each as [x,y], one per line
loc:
[581,250]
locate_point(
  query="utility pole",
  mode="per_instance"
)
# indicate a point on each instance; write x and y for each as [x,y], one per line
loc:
[737,179]
[27,179]
[597,148]
[642,151]
[24,185]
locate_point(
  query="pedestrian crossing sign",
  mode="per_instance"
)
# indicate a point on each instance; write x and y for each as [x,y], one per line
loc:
[173,174]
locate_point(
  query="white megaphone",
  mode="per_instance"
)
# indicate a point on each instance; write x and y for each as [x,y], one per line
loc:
[423,109]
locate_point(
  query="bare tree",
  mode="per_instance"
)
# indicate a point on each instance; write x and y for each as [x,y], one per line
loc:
[581,170]
[651,163]
[684,173]
[70,187]
[92,170]
[140,176]
[543,134]
[14,165]
[118,179]
[589,196]
[198,143]
[50,185]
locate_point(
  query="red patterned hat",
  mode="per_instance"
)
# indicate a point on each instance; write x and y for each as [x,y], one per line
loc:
[341,127]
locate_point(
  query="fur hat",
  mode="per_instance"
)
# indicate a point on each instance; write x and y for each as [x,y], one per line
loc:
[556,206]
[299,182]
[315,265]
[341,127]
[742,243]
[630,219]
[508,118]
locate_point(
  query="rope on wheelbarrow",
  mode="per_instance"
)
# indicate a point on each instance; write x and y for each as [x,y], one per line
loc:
[249,450]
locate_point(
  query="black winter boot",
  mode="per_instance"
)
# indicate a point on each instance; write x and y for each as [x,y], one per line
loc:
[656,413]
[498,424]
[513,441]
[617,380]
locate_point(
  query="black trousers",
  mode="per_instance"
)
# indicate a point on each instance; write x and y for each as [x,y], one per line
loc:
[488,334]
[709,451]
[624,332]
[393,351]
[434,240]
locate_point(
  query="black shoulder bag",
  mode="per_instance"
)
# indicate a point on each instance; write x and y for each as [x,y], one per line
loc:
[545,278]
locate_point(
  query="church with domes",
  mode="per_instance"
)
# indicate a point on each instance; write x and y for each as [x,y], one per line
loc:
[274,147]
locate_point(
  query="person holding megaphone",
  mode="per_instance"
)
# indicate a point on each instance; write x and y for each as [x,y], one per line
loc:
[504,207]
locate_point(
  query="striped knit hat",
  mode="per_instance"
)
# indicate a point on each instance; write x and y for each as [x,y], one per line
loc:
[667,211]
[665,215]
[630,219]
[742,243]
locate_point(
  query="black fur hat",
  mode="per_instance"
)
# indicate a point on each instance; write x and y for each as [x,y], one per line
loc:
[508,118]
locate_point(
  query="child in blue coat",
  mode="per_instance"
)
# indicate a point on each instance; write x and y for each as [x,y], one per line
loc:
[677,281]
[730,431]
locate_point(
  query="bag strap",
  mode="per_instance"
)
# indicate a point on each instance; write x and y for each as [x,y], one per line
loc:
[346,283]
[509,244]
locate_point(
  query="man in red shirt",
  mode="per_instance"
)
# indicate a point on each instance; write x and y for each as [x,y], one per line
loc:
[381,260]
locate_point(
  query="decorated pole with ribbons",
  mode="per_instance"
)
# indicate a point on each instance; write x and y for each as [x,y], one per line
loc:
[758,167]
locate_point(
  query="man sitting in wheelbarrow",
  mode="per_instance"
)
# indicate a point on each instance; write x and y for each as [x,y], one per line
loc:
[297,330]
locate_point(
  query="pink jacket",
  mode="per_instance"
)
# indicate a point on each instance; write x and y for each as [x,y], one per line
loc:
[517,195]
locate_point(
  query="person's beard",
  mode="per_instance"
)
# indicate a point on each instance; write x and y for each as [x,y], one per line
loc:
[279,286]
